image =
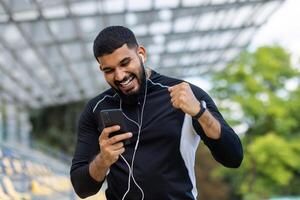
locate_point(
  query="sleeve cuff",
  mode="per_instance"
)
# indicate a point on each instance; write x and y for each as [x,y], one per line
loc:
[84,185]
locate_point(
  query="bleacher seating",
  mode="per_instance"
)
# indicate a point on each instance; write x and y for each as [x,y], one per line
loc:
[11,191]
[26,174]
[3,195]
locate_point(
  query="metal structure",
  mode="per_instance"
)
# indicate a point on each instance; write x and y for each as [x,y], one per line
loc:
[46,45]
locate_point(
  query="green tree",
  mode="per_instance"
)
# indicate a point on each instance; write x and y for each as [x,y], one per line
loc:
[55,126]
[255,91]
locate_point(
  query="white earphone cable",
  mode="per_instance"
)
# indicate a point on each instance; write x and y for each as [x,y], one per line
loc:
[135,149]
[129,175]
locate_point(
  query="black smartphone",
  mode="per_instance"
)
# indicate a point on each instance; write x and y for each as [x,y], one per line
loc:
[113,117]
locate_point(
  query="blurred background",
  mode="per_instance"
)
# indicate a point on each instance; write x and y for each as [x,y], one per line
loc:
[244,53]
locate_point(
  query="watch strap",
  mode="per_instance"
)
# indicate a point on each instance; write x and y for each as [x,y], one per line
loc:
[201,111]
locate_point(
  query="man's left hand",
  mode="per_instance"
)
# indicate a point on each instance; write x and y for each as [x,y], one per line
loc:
[182,97]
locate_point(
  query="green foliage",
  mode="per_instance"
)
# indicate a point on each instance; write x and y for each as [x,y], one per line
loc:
[56,126]
[258,83]
[271,161]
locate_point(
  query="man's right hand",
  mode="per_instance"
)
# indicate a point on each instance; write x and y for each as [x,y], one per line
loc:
[112,147]
[110,150]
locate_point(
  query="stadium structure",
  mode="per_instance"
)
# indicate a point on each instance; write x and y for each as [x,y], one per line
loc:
[46,59]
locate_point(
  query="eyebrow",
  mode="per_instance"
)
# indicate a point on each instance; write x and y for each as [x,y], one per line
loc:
[103,67]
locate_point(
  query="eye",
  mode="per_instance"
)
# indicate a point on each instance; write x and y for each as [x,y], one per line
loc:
[107,70]
[125,62]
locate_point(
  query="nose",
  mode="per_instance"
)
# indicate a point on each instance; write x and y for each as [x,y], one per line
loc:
[119,74]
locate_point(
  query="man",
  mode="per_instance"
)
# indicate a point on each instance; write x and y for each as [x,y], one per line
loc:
[159,111]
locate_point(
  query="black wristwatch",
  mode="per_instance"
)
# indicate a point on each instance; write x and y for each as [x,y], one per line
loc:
[201,111]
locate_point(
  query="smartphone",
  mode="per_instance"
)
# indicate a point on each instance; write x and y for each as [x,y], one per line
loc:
[113,117]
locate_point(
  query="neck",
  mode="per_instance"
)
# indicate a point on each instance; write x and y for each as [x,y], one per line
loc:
[148,72]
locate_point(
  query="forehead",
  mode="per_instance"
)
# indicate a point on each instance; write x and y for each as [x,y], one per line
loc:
[116,56]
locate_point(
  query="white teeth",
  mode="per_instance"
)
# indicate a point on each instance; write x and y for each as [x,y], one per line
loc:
[126,82]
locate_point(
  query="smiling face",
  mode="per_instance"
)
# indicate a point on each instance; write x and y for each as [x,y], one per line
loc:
[123,69]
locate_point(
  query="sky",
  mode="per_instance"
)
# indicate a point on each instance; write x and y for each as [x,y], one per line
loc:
[282,28]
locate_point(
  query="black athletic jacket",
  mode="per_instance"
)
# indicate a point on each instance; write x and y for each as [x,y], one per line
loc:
[164,161]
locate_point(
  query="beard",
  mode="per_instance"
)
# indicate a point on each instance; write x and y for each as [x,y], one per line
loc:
[132,97]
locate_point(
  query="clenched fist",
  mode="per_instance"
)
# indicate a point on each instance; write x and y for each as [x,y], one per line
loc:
[182,97]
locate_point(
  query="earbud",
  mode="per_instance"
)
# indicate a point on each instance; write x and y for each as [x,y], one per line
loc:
[142,57]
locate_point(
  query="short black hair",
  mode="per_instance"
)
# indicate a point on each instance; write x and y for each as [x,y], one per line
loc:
[112,38]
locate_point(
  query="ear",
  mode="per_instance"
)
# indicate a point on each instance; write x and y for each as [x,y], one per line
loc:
[142,53]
